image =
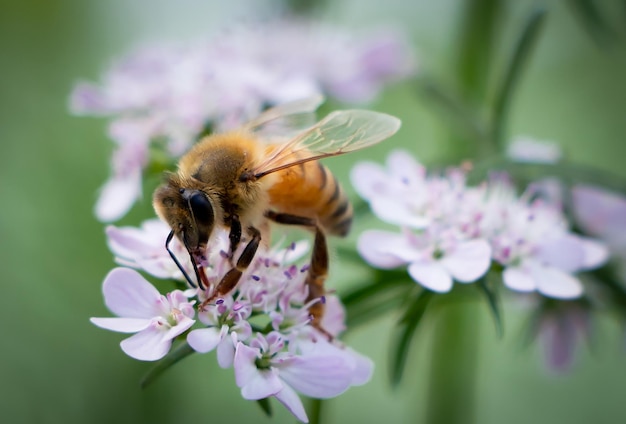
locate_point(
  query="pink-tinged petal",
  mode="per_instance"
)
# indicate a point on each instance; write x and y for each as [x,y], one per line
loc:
[565,253]
[526,149]
[117,197]
[518,279]
[204,340]
[87,99]
[122,325]
[126,242]
[555,283]
[405,168]
[431,275]
[363,367]
[397,212]
[127,294]
[147,345]
[600,212]
[333,320]
[468,261]
[596,253]
[369,180]
[183,325]
[383,249]
[290,399]
[254,383]
[226,351]
[559,338]
[317,376]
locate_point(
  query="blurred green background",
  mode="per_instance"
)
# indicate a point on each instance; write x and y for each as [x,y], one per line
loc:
[56,367]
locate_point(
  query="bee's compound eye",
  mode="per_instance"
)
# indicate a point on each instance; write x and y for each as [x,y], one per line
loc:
[201,207]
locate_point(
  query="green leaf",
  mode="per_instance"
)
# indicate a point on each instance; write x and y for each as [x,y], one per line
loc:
[591,18]
[453,107]
[494,305]
[387,292]
[181,351]
[405,332]
[512,75]
[266,406]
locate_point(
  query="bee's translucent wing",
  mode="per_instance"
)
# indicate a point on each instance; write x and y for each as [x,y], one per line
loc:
[340,132]
[288,117]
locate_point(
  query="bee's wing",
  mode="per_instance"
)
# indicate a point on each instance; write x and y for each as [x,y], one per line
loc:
[286,117]
[340,132]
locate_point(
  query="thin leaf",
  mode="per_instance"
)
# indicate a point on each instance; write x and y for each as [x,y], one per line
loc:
[181,351]
[593,21]
[494,306]
[406,330]
[454,108]
[266,406]
[512,75]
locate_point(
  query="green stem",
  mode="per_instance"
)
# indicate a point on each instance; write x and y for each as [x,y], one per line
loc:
[453,365]
[315,415]
[512,75]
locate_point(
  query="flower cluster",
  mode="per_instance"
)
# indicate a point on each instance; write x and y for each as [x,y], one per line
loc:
[262,330]
[174,93]
[455,232]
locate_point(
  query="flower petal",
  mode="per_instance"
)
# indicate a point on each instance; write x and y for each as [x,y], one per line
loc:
[226,350]
[254,383]
[468,261]
[369,180]
[290,399]
[204,340]
[127,294]
[555,283]
[519,279]
[317,375]
[147,345]
[565,253]
[383,249]
[117,196]
[398,212]
[431,275]
[122,325]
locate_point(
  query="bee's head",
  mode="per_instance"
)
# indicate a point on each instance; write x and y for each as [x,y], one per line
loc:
[189,213]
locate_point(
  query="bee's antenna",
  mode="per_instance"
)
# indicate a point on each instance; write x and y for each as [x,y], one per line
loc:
[180,267]
[195,266]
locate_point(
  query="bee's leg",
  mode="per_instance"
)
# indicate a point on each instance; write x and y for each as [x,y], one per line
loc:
[318,269]
[231,278]
[235,235]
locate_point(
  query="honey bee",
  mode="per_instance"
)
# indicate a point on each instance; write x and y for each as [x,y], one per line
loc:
[240,181]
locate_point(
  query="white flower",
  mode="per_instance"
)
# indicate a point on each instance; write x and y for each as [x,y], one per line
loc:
[527,149]
[451,232]
[174,93]
[156,319]
[432,263]
[263,369]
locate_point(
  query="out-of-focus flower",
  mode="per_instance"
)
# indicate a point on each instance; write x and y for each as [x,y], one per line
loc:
[527,149]
[453,232]
[263,328]
[560,328]
[173,93]
[156,319]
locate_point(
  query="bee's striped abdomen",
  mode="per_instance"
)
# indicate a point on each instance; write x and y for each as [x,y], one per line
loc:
[311,190]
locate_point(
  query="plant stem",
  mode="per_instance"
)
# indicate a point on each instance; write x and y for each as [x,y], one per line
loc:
[453,365]
[315,415]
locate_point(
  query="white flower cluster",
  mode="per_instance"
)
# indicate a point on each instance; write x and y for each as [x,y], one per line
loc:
[262,330]
[453,232]
[173,93]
